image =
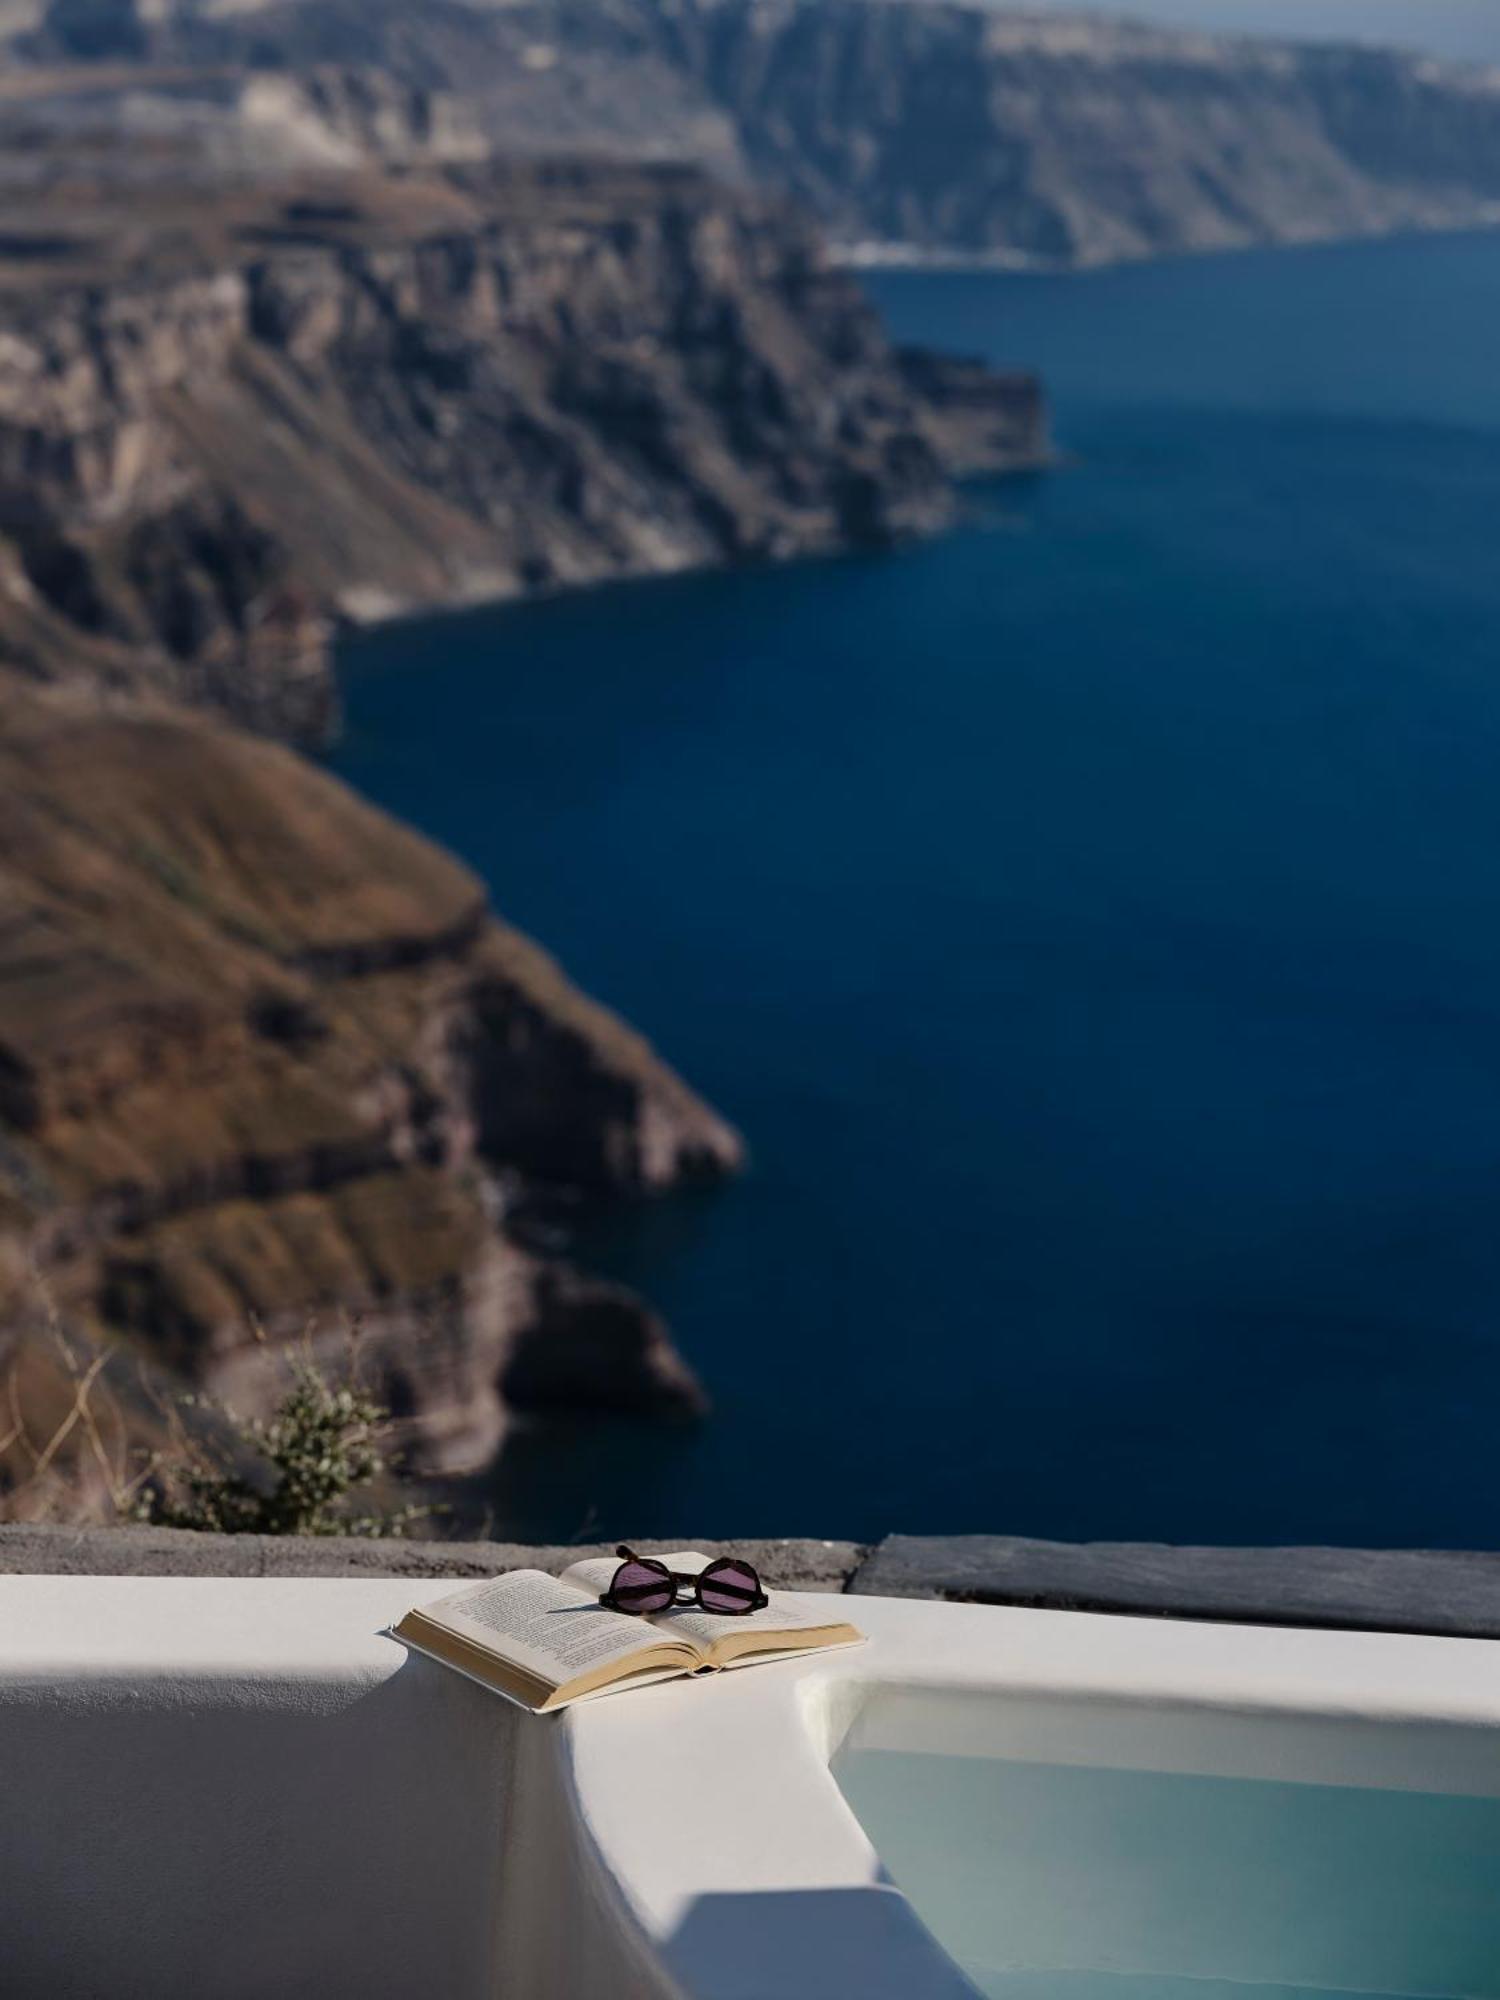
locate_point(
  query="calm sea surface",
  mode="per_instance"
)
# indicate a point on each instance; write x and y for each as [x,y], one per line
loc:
[1092,919]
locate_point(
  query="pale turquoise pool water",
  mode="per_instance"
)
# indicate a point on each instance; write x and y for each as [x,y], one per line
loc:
[1060,1882]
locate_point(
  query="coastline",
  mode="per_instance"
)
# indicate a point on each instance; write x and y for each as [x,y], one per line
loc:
[948,956]
[370,609]
[879,255]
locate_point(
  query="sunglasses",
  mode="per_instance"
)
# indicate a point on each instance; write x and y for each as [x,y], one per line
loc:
[726,1587]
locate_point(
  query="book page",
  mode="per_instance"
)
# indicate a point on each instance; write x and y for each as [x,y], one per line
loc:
[786,1612]
[541,1624]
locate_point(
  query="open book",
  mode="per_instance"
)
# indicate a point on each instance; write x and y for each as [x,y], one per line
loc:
[546,1641]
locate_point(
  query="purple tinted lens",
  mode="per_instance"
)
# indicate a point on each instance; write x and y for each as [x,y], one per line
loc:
[638,1587]
[729,1587]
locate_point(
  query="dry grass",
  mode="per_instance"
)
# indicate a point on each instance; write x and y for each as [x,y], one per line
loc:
[68,1450]
[71,1445]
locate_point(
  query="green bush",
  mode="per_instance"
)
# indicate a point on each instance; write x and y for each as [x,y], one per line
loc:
[290,1474]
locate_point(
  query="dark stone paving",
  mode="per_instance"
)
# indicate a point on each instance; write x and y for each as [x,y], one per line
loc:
[794,1565]
[1359,1589]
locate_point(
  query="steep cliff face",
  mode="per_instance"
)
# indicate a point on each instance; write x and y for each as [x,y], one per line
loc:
[233,417]
[972,129]
[265,1058]
[926,125]
[278,350]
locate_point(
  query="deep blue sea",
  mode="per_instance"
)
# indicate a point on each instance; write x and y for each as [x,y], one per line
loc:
[1092,918]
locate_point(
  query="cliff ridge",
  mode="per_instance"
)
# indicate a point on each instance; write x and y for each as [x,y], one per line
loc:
[232,418]
[267,1063]
[939,128]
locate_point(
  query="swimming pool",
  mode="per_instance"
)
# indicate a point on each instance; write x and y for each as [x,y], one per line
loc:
[1102,1856]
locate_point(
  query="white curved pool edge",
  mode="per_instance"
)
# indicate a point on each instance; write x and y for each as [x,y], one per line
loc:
[234,1788]
[773,1859]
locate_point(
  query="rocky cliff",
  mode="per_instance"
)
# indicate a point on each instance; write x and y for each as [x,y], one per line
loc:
[267,1060]
[909,126]
[232,415]
[281,347]
[980,131]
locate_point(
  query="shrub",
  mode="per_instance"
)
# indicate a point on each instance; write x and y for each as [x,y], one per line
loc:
[292,1473]
[71,1450]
